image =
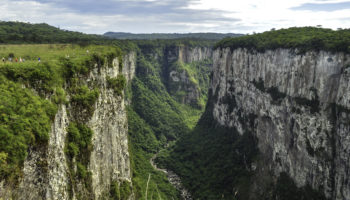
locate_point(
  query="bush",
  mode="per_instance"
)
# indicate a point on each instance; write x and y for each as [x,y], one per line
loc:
[120,191]
[60,96]
[78,151]
[81,171]
[25,120]
[85,98]
[79,140]
[117,84]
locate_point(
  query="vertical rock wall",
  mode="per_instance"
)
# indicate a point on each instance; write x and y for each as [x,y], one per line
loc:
[181,83]
[110,156]
[301,110]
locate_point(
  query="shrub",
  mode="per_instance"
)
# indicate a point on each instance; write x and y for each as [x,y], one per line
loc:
[59,97]
[117,84]
[120,191]
[25,120]
[85,98]
[78,151]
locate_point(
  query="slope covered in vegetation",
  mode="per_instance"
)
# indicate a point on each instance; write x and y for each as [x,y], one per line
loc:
[18,32]
[26,33]
[304,39]
[169,36]
[31,92]
[156,119]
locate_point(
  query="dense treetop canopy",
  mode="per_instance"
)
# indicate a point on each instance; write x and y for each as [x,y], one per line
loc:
[26,33]
[154,36]
[18,32]
[304,39]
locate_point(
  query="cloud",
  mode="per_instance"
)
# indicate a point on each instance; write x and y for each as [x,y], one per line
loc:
[262,15]
[115,15]
[147,16]
[324,6]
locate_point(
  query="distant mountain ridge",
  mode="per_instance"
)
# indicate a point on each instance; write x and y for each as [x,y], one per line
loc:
[154,36]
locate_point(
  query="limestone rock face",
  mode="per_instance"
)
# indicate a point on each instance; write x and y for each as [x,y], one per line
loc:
[181,84]
[191,54]
[129,66]
[57,164]
[300,109]
[110,156]
[45,172]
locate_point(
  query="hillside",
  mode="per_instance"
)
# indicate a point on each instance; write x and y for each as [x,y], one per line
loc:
[154,36]
[19,32]
[304,39]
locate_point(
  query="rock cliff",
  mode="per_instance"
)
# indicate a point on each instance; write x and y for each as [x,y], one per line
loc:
[298,108]
[110,156]
[186,71]
[46,171]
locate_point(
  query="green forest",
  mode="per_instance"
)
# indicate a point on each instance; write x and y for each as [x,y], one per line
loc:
[169,36]
[303,39]
[18,32]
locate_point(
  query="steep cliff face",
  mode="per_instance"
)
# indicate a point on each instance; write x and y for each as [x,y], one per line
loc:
[57,164]
[46,171]
[188,54]
[187,71]
[110,156]
[298,108]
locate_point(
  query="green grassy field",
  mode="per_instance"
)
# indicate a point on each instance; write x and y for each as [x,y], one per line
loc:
[51,52]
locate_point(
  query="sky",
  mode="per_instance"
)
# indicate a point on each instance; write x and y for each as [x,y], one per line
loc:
[178,16]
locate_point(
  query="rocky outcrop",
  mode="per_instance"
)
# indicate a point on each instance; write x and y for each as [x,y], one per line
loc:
[188,54]
[298,108]
[184,65]
[46,173]
[110,156]
[129,65]
[173,178]
[57,163]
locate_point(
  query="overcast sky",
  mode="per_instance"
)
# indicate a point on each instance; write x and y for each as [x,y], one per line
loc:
[180,16]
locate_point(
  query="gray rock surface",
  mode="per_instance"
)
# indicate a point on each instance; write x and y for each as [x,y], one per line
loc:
[188,54]
[110,156]
[179,79]
[57,164]
[299,105]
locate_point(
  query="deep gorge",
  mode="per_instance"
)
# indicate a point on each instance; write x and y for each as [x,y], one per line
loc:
[245,118]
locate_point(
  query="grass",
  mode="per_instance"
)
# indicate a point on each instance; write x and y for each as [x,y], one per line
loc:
[52,52]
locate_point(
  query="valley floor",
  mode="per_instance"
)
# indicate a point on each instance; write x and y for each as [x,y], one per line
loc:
[173,178]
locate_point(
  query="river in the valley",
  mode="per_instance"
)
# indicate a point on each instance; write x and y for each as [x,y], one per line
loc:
[173,178]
